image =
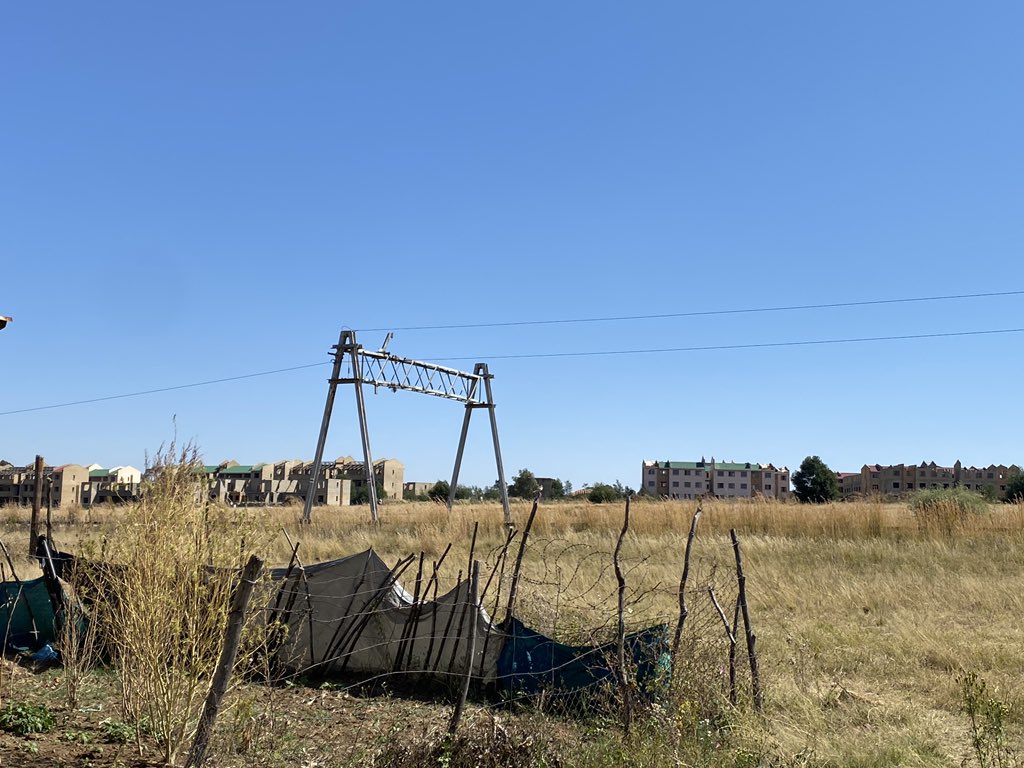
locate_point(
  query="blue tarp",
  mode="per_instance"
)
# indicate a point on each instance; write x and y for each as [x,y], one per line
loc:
[26,614]
[531,662]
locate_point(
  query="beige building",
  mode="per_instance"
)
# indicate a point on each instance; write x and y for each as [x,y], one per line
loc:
[695,479]
[61,485]
[900,479]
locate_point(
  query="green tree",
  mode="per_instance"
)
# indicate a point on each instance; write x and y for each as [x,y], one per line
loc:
[557,489]
[814,482]
[525,485]
[568,488]
[361,495]
[440,491]
[1015,488]
[602,493]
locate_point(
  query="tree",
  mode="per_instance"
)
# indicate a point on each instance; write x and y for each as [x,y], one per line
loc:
[1015,488]
[361,495]
[814,482]
[440,491]
[557,489]
[601,493]
[568,488]
[525,485]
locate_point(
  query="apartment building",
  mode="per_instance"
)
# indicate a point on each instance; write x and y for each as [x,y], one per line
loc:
[61,485]
[900,479]
[695,479]
[276,483]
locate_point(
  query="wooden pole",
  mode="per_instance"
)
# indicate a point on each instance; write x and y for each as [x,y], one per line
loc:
[755,675]
[37,505]
[514,589]
[460,705]
[222,676]
[627,698]
[683,610]
[49,512]
[731,635]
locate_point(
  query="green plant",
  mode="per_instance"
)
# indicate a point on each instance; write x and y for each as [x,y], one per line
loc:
[1015,488]
[987,718]
[25,719]
[117,732]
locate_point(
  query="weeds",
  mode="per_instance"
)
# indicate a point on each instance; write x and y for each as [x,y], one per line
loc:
[987,718]
[26,719]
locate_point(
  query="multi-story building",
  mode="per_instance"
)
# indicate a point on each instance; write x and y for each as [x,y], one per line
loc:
[61,485]
[116,485]
[900,479]
[694,479]
[990,480]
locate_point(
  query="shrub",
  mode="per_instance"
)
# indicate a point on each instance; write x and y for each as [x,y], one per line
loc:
[167,595]
[1015,488]
[25,719]
[946,510]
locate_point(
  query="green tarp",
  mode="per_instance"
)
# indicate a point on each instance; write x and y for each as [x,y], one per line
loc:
[26,614]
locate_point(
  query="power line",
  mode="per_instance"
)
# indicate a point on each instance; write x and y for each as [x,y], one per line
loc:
[540,355]
[761,345]
[162,389]
[700,313]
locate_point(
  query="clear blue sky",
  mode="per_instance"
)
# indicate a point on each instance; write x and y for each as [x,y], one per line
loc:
[193,191]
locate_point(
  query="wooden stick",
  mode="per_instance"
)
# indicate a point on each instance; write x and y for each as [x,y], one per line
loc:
[732,645]
[627,699]
[474,603]
[222,676]
[514,589]
[683,610]
[37,505]
[755,675]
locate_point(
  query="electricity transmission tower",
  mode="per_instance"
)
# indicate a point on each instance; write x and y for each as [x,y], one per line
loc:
[358,366]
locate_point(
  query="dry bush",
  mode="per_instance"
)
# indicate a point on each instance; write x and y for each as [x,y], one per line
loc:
[166,597]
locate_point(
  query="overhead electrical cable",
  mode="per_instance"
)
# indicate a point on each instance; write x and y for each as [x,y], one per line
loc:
[697,313]
[544,355]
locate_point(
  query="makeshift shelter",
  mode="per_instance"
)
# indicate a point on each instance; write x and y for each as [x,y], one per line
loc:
[531,662]
[352,615]
[26,614]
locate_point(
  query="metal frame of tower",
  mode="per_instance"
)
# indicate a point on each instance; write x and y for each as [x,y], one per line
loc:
[358,366]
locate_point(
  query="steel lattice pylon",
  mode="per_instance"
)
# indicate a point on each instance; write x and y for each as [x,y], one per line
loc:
[357,366]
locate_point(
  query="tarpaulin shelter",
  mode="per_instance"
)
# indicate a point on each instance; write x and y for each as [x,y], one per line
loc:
[352,615]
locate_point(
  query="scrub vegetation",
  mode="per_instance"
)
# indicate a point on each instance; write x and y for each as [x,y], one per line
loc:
[888,634]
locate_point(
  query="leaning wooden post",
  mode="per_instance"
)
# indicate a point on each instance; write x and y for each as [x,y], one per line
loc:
[514,588]
[683,610]
[755,675]
[37,505]
[222,676]
[731,635]
[49,511]
[627,699]
[474,602]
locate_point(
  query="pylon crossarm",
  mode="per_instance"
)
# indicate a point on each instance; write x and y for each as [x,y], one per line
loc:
[380,369]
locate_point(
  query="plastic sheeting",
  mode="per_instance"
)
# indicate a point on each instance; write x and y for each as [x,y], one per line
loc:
[531,662]
[26,614]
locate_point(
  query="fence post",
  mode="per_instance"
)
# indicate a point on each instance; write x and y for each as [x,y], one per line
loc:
[460,705]
[222,676]
[683,610]
[37,505]
[627,698]
[755,675]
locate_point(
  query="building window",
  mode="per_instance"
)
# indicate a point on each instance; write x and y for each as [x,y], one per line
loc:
[768,486]
[731,473]
[686,484]
[675,471]
[743,486]
[675,483]
[686,472]
[721,485]
[650,483]
[732,485]
[743,474]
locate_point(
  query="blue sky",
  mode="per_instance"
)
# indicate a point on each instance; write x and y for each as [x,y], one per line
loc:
[191,192]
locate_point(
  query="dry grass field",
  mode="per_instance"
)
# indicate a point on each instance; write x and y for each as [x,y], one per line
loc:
[867,618]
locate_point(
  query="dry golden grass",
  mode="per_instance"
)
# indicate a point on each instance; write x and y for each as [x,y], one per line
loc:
[864,612]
